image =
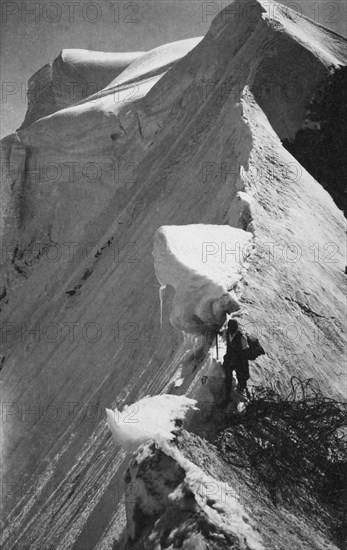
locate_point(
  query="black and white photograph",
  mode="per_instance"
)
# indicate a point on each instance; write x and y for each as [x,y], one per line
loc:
[173,275]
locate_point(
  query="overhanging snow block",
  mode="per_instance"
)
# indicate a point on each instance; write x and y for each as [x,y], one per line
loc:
[204,263]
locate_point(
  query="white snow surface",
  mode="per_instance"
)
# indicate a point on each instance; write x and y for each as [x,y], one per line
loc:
[157,119]
[148,418]
[217,499]
[204,263]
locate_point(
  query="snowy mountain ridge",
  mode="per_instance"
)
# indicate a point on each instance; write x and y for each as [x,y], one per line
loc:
[189,135]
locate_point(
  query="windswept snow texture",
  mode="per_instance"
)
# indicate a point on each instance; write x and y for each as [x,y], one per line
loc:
[80,117]
[178,500]
[204,264]
[72,77]
[149,418]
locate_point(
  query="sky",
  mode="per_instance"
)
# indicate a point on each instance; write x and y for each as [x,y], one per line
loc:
[32,33]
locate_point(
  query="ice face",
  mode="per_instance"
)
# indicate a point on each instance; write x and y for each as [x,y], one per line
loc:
[204,263]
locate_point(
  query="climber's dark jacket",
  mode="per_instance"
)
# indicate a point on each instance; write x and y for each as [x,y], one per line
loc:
[236,359]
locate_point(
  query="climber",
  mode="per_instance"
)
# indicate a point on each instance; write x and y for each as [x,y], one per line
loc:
[236,359]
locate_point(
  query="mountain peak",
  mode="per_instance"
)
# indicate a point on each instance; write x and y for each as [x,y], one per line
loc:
[206,166]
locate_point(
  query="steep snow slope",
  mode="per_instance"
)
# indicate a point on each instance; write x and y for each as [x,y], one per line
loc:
[79,267]
[69,155]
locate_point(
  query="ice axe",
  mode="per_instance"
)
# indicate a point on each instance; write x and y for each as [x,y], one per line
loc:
[217,345]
